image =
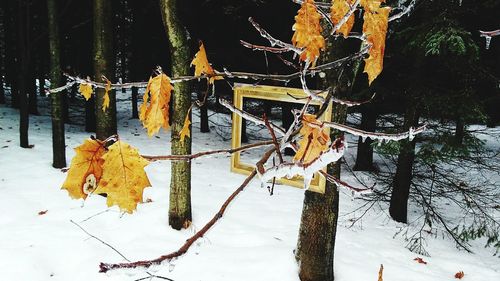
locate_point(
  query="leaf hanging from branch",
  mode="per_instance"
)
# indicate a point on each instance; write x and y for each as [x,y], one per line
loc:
[85,170]
[123,178]
[375,30]
[308,32]
[338,11]
[154,110]
[105,101]
[86,90]
[314,140]
[201,65]
[185,128]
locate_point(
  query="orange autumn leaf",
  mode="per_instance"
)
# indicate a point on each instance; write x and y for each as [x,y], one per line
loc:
[313,142]
[86,90]
[123,178]
[185,128]
[154,110]
[459,275]
[420,260]
[380,273]
[371,5]
[105,101]
[85,170]
[307,33]
[201,65]
[338,11]
[375,29]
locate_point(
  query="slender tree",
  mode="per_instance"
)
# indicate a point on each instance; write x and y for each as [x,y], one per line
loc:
[23,73]
[58,142]
[180,185]
[2,53]
[103,67]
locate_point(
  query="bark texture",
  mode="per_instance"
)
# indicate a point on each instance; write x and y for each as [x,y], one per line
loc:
[103,65]
[58,142]
[179,215]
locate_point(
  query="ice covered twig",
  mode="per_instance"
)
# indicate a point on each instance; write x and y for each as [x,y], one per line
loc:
[250,117]
[289,170]
[410,134]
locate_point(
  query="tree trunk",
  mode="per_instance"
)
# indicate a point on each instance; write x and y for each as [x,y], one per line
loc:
[402,179]
[103,66]
[2,53]
[32,93]
[2,72]
[24,57]
[204,126]
[318,226]
[459,130]
[364,156]
[135,111]
[11,54]
[179,215]
[58,141]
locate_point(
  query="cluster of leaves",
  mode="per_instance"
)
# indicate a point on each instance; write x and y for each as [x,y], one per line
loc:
[116,170]
[87,92]
[308,30]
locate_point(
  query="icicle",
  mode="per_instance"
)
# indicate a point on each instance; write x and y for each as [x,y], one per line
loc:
[488,41]
[460,3]
[363,139]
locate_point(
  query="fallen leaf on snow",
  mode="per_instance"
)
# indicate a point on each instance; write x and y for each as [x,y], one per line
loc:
[420,260]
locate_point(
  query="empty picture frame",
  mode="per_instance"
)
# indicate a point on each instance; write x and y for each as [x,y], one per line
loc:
[271,93]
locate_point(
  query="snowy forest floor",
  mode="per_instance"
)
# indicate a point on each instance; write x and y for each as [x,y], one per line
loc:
[253,241]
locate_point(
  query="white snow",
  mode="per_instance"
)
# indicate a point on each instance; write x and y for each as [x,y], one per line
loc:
[253,241]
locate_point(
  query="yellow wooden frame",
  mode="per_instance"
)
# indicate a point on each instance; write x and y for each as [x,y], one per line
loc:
[272,93]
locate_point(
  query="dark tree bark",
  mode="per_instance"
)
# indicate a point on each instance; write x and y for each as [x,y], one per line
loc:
[23,74]
[364,156]
[2,53]
[103,66]
[459,130]
[58,141]
[90,120]
[402,179]
[11,54]
[204,126]
[179,215]
[32,93]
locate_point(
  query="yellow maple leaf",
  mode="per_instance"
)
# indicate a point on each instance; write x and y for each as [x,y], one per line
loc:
[201,65]
[185,128]
[105,101]
[337,12]
[123,178]
[154,109]
[313,142]
[307,33]
[85,170]
[86,90]
[375,29]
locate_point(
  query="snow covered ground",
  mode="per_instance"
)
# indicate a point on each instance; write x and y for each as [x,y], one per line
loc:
[253,241]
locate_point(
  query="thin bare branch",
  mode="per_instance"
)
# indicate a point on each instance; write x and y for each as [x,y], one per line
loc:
[190,157]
